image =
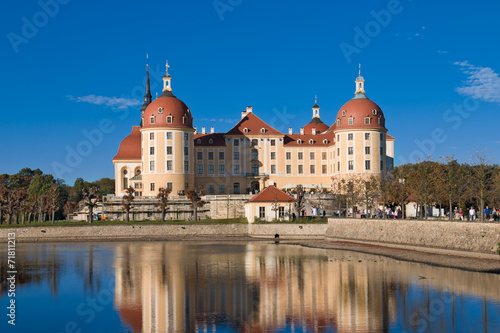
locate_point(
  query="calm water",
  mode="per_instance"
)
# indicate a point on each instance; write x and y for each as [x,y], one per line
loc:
[239,287]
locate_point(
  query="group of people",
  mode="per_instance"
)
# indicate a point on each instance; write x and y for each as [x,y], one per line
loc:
[472,216]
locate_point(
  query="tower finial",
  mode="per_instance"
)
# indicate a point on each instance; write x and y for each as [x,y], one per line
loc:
[315,99]
[166,66]
[147,60]
[359,73]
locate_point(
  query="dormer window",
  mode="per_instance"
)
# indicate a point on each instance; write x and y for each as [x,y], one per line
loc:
[311,141]
[299,141]
[380,121]
[211,141]
[351,120]
[152,120]
[160,110]
[367,121]
[263,130]
[198,141]
[169,119]
[245,130]
[338,122]
[344,112]
[184,120]
[325,141]
[374,111]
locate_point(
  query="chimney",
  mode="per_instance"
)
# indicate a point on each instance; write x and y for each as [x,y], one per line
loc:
[203,130]
[212,129]
[249,109]
[195,131]
[290,131]
[302,131]
[314,131]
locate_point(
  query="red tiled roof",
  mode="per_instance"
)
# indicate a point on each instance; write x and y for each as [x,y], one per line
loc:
[291,140]
[319,126]
[217,139]
[271,194]
[389,137]
[172,106]
[254,125]
[359,109]
[130,147]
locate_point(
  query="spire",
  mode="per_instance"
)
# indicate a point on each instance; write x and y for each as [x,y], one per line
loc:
[360,85]
[315,107]
[147,94]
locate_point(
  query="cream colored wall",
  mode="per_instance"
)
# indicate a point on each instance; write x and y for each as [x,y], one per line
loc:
[131,166]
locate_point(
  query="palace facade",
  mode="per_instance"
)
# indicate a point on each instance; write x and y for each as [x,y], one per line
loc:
[167,151]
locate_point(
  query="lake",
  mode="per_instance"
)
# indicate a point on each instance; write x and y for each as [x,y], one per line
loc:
[259,286]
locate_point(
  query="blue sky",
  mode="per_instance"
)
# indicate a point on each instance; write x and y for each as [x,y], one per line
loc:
[77,69]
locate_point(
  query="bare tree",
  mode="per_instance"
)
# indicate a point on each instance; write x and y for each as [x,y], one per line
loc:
[90,199]
[275,205]
[195,196]
[69,207]
[54,199]
[127,200]
[299,204]
[162,201]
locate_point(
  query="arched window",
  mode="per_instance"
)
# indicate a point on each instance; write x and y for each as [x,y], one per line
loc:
[160,110]
[210,141]
[299,141]
[325,141]
[263,130]
[125,179]
[338,122]
[245,130]
[374,111]
[152,120]
[311,141]
[255,154]
[344,112]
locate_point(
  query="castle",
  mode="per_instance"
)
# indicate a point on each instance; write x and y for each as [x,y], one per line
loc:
[167,151]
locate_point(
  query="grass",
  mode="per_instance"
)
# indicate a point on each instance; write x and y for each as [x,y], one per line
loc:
[147,222]
[302,220]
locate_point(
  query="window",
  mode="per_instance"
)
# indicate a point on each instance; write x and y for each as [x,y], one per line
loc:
[125,179]
[169,186]
[281,212]
[169,119]
[350,150]
[210,141]
[169,135]
[245,130]
[273,142]
[299,141]
[323,169]
[186,151]
[221,168]
[311,155]
[169,150]
[300,155]
[169,165]
[288,169]
[186,136]
[151,150]
[273,155]
[255,142]
[255,154]
[186,166]
[200,169]
[380,121]
[236,188]
[255,169]
[221,155]
[151,165]
[381,165]
[210,155]
[210,168]
[374,111]
[381,137]
[351,165]
[338,151]
[151,136]
[350,136]
[210,188]
[323,155]
[160,110]
[367,150]
[262,212]
[236,155]
[301,169]
[288,155]
[312,169]
[221,188]
[198,141]
[367,121]
[351,120]
[199,155]
[338,122]
[152,186]
[325,141]
[381,151]
[263,130]
[344,112]
[184,120]
[236,169]
[311,141]
[236,142]
[338,166]
[367,136]
[273,169]
[367,165]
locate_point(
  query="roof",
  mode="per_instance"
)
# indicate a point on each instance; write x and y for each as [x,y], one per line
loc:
[389,137]
[130,147]
[317,124]
[271,194]
[217,139]
[359,109]
[164,106]
[292,140]
[254,126]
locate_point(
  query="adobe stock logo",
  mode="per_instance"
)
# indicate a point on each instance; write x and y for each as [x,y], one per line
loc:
[40,19]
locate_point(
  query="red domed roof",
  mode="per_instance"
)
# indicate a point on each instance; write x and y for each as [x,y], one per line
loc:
[165,106]
[130,147]
[317,124]
[360,109]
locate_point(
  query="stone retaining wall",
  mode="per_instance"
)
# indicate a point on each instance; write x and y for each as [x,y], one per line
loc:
[289,230]
[476,237]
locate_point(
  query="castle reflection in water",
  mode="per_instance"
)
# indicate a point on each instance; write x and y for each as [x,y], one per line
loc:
[259,287]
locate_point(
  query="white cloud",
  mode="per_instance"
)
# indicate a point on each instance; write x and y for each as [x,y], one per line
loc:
[116,102]
[221,120]
[482,82]
[442,52]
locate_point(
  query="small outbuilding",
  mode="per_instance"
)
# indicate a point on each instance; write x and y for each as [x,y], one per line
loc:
[268,205]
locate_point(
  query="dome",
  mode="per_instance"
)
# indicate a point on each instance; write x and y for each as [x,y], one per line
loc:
[167,106]
[317,124]
[130,147]
[364,113]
